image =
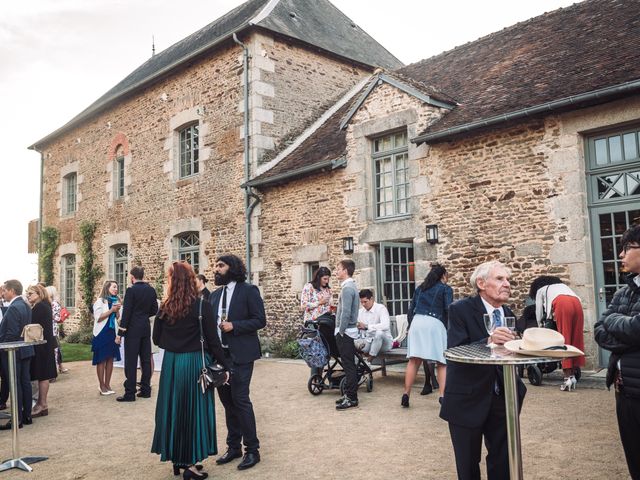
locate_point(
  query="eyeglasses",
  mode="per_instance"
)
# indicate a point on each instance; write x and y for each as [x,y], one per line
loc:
[628,247]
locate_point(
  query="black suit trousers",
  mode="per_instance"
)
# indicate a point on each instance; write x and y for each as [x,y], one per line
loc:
[23,384]
[4,381]
[135,347]
[467,445]
[238,409]
[347,351]
[628,413]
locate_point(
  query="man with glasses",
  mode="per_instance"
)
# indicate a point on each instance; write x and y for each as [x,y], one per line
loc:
[618,331]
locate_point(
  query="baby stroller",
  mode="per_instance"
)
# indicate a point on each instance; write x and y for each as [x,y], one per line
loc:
[535,371]
[332,376]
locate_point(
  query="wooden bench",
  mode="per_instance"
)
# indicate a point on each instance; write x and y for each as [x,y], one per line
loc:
[392,357]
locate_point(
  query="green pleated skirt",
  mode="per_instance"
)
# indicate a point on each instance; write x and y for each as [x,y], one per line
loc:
[185,431]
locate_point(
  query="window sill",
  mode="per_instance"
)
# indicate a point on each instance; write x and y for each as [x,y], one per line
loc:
[187,180]
[393,218]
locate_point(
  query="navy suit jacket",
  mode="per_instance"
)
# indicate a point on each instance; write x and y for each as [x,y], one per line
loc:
[17,315]
[246,312]
[140,303]
[469,388]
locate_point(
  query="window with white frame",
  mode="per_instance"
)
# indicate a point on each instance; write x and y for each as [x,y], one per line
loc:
[391,175]
[68,280]
[396,276]
[188,151]
[118,175]
[118,265]
[188,249]
[312,268]
[69,193]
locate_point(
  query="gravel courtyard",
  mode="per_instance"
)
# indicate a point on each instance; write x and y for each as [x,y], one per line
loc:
[86,436]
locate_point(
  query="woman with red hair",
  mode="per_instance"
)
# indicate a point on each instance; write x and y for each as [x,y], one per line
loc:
[185,431]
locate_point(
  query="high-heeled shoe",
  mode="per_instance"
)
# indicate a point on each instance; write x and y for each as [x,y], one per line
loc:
[177,468]
[190,474]
[405,400]
[568,384]
[40,413]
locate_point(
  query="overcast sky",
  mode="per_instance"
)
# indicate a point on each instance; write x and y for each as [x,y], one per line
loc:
[58,56]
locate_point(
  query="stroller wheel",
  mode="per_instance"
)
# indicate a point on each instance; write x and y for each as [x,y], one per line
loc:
[577,373]
[315,385]
[369,384]
[535,375]
[343,384]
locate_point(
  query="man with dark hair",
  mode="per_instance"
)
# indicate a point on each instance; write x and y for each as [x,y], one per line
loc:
[140,303]
[374,325]
[618,331]
[347,332]
[473,401]
[239,312]
[17,315]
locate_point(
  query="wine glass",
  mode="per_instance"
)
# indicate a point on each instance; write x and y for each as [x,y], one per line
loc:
[490,325]
[510,323]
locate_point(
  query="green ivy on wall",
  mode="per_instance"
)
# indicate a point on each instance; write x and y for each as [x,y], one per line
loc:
[49,238]
[89,271]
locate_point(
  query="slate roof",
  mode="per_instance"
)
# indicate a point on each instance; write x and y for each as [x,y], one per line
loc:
[316,22]
[583,48]
[325,146]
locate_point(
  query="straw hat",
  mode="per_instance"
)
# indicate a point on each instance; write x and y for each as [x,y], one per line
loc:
[542,342]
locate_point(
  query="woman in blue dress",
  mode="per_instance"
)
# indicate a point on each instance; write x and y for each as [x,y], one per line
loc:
[106,312]
[427,316]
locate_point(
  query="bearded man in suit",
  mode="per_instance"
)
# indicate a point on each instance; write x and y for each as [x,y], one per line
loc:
[239,312]
[473,402]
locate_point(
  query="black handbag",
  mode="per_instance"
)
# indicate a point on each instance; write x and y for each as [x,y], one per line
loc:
[213,375]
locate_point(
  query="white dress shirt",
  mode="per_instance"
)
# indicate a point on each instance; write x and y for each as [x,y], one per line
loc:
[376,319]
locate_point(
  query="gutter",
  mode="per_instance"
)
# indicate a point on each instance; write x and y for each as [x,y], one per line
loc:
[602,93]
[282,177]
[248,194]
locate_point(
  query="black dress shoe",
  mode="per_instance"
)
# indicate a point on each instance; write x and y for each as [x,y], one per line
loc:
[7,426]
[143,395]
[228,456]
[426,390]
[3,406]
[124,398]
[249,460]
[27,421]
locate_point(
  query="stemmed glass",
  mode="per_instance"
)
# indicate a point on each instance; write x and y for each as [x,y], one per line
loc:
[490,325]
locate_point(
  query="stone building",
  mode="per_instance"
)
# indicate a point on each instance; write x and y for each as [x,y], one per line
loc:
[521,146]
[158,160]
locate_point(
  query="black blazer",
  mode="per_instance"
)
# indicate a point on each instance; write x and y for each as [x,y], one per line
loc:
[17,315]
[246,312]
[469,388]
[140,303]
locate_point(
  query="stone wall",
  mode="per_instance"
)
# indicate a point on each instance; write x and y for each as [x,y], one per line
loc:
[157,204]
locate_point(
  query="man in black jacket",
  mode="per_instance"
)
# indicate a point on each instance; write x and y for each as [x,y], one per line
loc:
[473,401]
[618,331]
[17,315]
[140,303]
[239,312]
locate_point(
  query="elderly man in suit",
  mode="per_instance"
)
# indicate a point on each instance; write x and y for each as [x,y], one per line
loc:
[473,401]
[239,311]
[140,303]
[17,315]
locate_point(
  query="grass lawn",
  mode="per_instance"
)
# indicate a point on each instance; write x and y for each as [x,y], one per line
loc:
[74,352]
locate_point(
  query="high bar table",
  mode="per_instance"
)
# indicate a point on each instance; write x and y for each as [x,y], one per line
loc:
[485,355]
[16,461]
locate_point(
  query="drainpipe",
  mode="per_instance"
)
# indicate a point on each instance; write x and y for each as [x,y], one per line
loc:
[40,210]
[248,194]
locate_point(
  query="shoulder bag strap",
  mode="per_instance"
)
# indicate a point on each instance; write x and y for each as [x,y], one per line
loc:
[204,363]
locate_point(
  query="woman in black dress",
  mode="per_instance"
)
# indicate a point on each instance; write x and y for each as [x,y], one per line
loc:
[43,365]
[185,431]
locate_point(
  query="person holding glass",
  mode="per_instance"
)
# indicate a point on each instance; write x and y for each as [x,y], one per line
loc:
[106,311]
[473,402]
[315,299]
[427,316]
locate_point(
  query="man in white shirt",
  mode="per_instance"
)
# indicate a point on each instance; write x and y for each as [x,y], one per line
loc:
[374,324]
